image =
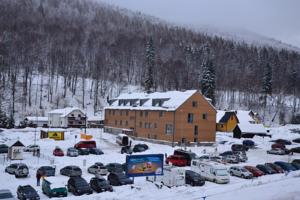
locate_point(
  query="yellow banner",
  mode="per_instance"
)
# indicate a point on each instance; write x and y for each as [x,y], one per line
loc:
[56,135]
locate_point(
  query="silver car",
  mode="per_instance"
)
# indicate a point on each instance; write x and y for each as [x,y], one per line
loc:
[96,169]
[6,194]
[31,148]
[230,159]
[242,156]
[17,169]
[71,170]
[240,172]
[72,152]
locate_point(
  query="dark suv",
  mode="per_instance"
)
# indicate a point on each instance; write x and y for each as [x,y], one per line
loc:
[114,167]
[99,184]
[46,171]
[78,186]
[193,178]
[119,178]
[27,192]
[71,170]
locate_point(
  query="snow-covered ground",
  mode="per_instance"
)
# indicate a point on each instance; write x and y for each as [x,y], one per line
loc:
[278,186]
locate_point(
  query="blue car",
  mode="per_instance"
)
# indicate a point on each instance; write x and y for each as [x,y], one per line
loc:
[285,166]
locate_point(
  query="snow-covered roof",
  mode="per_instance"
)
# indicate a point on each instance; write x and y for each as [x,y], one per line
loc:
[34,119]
[95,118]
[65,111]
[244,116]
[54,130]
[220,114]
[170,100]
[13,142]
[56,182]
[252,128]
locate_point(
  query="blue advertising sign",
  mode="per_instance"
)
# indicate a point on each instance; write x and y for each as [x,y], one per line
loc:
[144,165]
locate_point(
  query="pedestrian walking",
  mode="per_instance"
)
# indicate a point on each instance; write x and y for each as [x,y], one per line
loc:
[38,178]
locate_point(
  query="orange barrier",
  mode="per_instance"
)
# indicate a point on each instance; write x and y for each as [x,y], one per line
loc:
[85,136]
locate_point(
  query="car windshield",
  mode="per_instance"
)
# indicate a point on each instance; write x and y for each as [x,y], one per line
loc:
[81,183]
[102,182]
[6,195]
[22,167]
[243,170]
[221,172]
[76,169]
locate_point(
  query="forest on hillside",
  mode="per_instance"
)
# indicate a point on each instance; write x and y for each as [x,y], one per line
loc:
[61,44]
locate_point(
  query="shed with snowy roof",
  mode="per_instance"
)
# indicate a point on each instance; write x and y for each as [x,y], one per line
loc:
[35,121]
[247,130]
[226,121]
[15,150]
[176,116]
[70,117]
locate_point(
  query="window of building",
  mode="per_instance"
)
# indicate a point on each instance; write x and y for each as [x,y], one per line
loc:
[113,112]
[79,115]
[80,122]
[141,124]
[194,104]
[161,113]
[195,130]
[190,118]
[146,113]
[116,122]
[169,129]
[145,125]
[141,113]
[109,112]
[149,125]
[121,122]
[204,116]
[126,123]
[72,115]
[155,125]
[60,122]
[127,112]
[121,112]
[196,140]
[50,122]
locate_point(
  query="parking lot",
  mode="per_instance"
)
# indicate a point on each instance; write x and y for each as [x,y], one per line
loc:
[142,188]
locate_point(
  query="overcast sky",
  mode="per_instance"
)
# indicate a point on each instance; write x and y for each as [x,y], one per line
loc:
[279,19]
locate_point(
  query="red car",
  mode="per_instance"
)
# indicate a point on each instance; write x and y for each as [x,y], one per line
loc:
[256,172]
[58,152]
[177,160]
[278,146]
[86,144]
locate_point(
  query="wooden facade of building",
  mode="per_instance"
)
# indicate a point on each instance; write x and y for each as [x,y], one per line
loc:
[226,121]
[171,116]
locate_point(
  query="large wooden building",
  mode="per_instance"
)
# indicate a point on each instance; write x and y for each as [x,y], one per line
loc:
[174,116]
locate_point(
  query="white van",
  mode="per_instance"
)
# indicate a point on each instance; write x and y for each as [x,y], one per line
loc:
[173,176]
[123,139]
[211,171]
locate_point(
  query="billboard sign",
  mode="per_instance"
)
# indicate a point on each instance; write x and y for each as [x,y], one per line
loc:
[144,165]
[56,135]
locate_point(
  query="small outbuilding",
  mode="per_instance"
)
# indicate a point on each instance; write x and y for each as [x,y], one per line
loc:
[15,150]
[36,121]
[95,122]
[249,131]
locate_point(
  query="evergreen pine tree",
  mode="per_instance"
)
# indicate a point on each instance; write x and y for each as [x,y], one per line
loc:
[3,119]
[267,80]
[150,62]
[207,82]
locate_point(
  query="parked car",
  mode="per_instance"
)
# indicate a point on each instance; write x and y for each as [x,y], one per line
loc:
[282,141]
[72,152]
[297,140]
[71,170]
[58,152]
[248,143]
[242,156]
[78,186]
[177,160]
[277,152]
[18,169]
[275,167]
[230,159]
[27,192]
[6,194]
[255,172]
[96,169]
[114,167]
[3,148]
[31,148]
[126,149]
[85,144]
[296,165]
[278,146]
[239,147]
[46,171]
[118,178]
[265,169]
[53,187]
[295,150]
[240,172]
[96,151]
[83,151]
[99,184]
[193,178]
[285,166]
[140,148]
[226,153]
[187,154]
[296,161]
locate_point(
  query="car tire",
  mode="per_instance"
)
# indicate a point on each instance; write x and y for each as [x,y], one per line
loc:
[243,176]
